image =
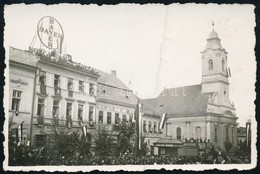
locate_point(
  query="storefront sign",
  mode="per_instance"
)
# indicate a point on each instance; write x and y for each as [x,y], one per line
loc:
[50,33]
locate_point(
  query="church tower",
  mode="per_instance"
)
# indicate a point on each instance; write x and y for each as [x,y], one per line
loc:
[214,70]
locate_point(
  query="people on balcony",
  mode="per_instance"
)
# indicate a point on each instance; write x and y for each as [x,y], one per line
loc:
[68,121]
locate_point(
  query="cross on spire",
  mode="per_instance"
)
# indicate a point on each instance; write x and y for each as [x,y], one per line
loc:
[213,25]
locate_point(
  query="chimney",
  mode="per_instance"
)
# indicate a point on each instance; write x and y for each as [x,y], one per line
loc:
[113,72]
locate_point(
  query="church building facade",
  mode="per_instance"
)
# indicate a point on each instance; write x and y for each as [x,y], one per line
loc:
[203,112]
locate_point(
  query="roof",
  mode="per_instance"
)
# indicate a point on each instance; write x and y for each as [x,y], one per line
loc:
[168,141]
[22,56]
[148,107]
[110,80]
[241,131]
[182,101]
[112,89]
[213,42]
[213,34]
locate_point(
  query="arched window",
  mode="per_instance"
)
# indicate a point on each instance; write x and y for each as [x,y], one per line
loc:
[198,132]
[223,65]
[210,63]
[178,133]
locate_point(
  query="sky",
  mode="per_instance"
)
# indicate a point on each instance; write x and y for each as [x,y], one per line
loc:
[152,46]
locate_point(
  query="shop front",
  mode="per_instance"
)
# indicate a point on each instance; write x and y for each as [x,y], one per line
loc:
[167,147]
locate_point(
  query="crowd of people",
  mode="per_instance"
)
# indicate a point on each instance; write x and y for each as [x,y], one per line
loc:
[42,156]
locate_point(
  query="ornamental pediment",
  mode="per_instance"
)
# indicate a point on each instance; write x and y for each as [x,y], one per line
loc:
[19,81]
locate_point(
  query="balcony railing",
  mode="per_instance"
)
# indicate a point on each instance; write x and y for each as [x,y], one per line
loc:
[70,93]
[124,126]
[40,120]
[43,89]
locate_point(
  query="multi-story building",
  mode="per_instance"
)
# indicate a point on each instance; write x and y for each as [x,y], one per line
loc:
[22,73]
[66,92]
[151,131]
[61,92]
[116,105]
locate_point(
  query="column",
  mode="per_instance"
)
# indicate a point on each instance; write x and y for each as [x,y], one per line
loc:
[208,130]
[187,130]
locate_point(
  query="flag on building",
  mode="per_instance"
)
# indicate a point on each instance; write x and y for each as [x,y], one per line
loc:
[162,121]
[138,124]
[19,133]
[229,72]
[84,130]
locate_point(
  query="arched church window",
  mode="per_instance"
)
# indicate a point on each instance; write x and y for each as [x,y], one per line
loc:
[210,63]
[198,132]
[178,133]
[223,65]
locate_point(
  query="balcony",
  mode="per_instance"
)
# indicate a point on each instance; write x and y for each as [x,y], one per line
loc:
[57,91]
[69,121]
[43,89]
[124,126]
[40,120]
[70,93]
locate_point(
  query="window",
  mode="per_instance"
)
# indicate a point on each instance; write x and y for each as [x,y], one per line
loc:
[40,109]
[91,89]
[16,100]
[57,89]
[56,80]
[198,132]
[42,78]
[155,127]
[216,133]
[144,126]
[117,118]
[210,63]
[124,118]
[227,138]
[70,84]
[178,133]
[42,81]
[90,113]
[225,92]
[55,108]
[150,126]
[108,117]
[130,117]
[69,111]
[223,65]
[81,86]
[80,112]
[100,116]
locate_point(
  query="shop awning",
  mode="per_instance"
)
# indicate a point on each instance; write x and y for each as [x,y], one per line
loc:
[168,143]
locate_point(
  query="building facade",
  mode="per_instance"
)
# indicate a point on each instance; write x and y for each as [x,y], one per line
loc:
[203,112]
[116,105]
[59,91]
[22,73]
[52,90]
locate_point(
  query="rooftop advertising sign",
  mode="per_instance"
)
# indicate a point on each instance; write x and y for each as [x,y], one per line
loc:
[50,33]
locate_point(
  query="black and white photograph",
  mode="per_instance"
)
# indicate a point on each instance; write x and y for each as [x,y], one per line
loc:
[129,87]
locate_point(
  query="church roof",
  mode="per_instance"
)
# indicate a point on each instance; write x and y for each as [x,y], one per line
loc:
[112,89]
[213,42]
[213,34]
[185,100]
